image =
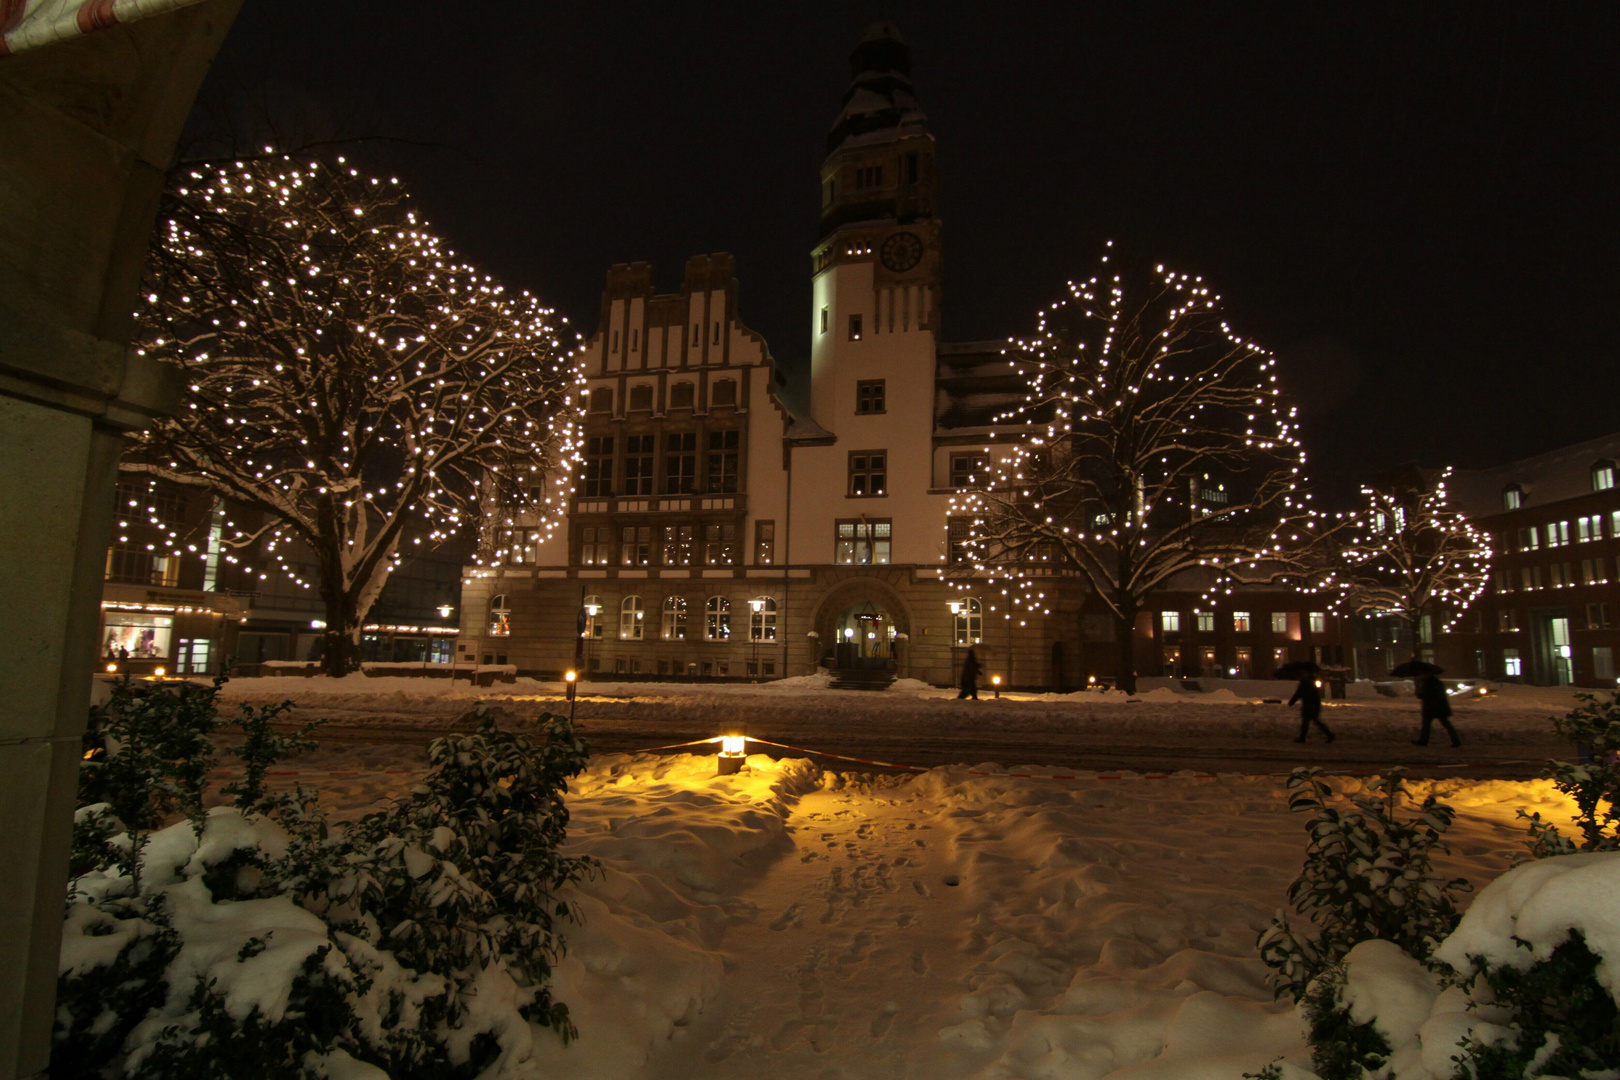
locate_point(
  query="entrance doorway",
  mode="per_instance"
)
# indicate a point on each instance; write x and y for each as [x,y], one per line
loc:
[1563,656]
[865,634]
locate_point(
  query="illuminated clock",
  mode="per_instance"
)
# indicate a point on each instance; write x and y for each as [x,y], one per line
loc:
[901,252]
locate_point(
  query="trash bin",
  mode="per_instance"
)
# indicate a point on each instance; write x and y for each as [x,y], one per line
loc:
[1336,688]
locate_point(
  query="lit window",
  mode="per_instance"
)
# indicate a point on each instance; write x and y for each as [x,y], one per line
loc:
[1557,533]
[1512,497]
[863,541]
[1279,622]
[1170,621]
[1505,621]
[720,544]
[718,626]
[1529,538]
[1589,527]
[674,628]
[1603,476]
[1318,622]
[762,623]
[635,548]
[1594,571]
[868,473]
[1241,622]
[678,542]
[594,545]
[969,620]
[1512,666]
[592,606]
[823,320]
[1206,622]
[1531,576]
[500,616]
[631,621]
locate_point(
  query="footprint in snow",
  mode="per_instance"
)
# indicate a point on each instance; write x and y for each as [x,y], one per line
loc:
[919,963]
[791,917]
[922,890]
[884,1018]
[857,949]
[904,919]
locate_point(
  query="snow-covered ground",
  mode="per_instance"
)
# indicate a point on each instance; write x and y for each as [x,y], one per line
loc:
[791,922]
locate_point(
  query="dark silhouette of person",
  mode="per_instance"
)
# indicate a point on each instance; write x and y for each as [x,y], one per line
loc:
[1309,696]
[1436,706]
[970,677]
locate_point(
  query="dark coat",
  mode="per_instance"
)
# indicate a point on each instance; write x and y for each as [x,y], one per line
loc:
[970,670]
[1309,696]
[1436,702]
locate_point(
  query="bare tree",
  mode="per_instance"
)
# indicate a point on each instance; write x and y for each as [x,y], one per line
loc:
[1406,553]
[347,379]
[1152,441]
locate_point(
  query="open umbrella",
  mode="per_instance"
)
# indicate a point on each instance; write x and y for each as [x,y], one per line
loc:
[1415,667]
[1298,669]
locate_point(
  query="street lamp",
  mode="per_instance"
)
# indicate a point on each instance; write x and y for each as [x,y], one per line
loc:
[587,628]
[756,627]
[571,677]
[995,681]
[733,749]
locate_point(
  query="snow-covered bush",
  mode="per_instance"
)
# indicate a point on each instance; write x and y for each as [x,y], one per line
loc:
[256,940]
[1540,953]
[1368,874]
[1594,784]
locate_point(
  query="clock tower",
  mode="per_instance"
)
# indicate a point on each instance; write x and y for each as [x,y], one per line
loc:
[875,290]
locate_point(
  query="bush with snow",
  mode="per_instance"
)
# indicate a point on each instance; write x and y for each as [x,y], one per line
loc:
[257,940]
[1594,783]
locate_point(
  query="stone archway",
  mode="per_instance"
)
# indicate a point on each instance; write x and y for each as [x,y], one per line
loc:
[872,604]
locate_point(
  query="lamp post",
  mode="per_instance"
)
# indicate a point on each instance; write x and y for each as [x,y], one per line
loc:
[956,610]
[995,680]
[815,658]
[587,628]
[572,678]
[755,628]
[733,749]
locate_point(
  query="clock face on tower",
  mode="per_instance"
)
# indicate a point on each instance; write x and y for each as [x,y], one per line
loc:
[901,251]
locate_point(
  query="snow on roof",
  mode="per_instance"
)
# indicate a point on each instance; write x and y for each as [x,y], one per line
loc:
[1553,476]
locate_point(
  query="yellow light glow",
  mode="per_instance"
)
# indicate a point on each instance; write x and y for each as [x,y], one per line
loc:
[112,667]
[158,671]
[733,745]
[571,676]
[995,680]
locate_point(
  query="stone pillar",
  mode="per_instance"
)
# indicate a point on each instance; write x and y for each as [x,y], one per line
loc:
[89,128]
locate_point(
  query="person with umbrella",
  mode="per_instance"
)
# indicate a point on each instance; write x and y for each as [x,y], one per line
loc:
[970,677]
[1309,696]
[1432,692]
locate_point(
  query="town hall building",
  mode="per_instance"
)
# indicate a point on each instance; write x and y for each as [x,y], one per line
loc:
[718,526]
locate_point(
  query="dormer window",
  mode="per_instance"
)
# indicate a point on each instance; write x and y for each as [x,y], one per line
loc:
[1602,475]
[1513,496]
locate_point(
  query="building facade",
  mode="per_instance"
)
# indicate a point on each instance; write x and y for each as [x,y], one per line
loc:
[1547,617]
[724,522]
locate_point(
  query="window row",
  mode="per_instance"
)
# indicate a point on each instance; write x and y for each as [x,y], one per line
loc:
[696,339]
[682,395]
[682,544]
[1597,618]
[640,459]
[1558,575]
[673,625]
[1170,622]
[1557,533]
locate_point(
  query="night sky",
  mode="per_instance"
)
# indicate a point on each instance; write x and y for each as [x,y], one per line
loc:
[1416,205]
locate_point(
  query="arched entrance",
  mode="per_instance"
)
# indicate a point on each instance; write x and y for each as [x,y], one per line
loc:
[865,635]
[862,622]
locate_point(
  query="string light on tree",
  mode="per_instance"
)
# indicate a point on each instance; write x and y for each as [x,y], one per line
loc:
[348,380]
[1150,442]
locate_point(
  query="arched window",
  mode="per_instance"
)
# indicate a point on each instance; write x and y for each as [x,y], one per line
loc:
[969,622]
[631,618]
[500,616]
[719,619]
[675,618]
[762,619]
[592,606]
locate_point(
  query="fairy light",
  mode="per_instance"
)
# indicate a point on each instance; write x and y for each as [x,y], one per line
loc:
[1406,552]
[1149,441]
[350,382]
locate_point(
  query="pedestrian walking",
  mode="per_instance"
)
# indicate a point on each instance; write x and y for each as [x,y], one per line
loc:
[1436,706]
[970,677]
[1309,696]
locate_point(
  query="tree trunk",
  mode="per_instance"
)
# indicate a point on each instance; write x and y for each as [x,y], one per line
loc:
[340,644]
[1125,640]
